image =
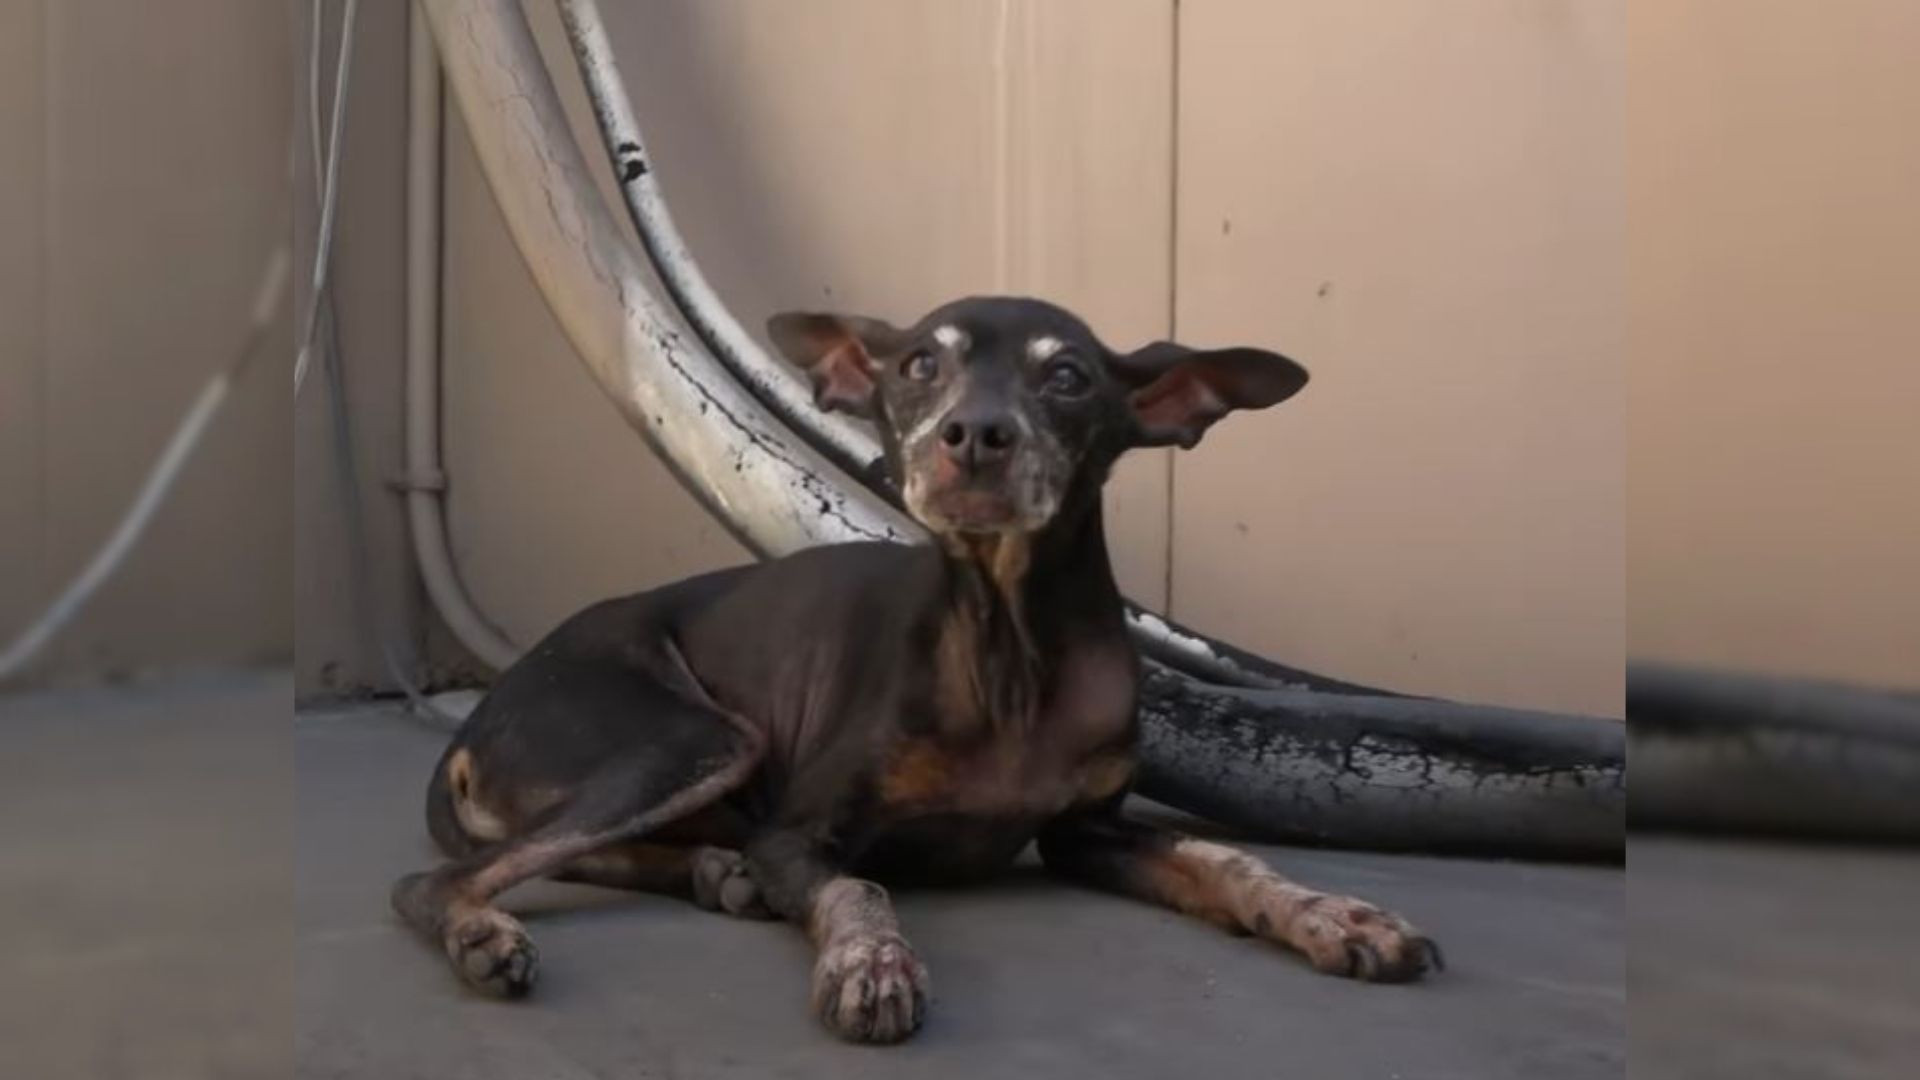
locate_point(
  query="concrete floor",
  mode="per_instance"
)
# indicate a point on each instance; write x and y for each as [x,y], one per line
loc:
[146,881]
[1772,961]
[1032,979]
[154,871]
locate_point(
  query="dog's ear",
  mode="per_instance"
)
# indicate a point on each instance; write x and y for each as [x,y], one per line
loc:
[1177,392]
[837,353]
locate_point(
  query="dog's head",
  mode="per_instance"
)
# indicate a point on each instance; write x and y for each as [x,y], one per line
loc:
[997,412]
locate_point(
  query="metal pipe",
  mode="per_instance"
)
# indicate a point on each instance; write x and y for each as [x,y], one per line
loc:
[778,494]
[1394,773]
[842,440]
[329,198]
[1723,752]
[774,492]
[850,447]
[424,481]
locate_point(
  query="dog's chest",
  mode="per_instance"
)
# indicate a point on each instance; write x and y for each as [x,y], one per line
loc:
[947,815]
[999,779]
[976,798]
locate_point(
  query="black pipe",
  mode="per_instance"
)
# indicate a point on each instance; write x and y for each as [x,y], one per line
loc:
[1205,703]
[1732,753]
[1390,773]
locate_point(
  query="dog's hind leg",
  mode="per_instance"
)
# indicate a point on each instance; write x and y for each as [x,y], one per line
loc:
[692,757]
[715,878]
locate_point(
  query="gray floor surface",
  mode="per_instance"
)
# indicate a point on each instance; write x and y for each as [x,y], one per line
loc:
[1031,978]
[1773,961]
[147,881]
[154,870]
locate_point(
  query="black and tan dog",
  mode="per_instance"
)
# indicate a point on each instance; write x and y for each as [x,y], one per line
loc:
[768,740]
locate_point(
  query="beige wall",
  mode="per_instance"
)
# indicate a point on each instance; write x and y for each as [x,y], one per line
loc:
[336,651]
[1774,382]
[1440,513]
[1421,202]
[809,167]
[142,189]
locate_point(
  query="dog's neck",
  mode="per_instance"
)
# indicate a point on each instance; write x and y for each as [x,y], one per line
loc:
[1014,602]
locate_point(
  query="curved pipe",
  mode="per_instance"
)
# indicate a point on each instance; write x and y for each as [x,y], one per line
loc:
[1395,773]
[778,494]
[718,440]
[1722,752]
[843,442]
[1687,701]
[424,482]
[850,447]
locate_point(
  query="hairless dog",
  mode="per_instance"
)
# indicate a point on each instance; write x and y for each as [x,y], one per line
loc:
[775,740]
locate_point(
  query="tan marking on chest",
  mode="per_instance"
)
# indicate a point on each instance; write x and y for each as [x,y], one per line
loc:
[980,684]
[1000,778]
[989,779]
[920,772]
[1077,748]
[1104,776]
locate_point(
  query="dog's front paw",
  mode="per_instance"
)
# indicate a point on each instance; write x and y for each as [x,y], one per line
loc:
[492,952]
[870,988]
[1343,936]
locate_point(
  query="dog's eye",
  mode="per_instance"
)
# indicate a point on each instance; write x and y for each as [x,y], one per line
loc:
[919,366]
[1067,379]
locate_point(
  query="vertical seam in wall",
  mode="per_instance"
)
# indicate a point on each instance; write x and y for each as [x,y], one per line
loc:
[443,131]
[43,321]
[1034,244]
[1002,137]
[1173,272]
[424,618]
[417,615]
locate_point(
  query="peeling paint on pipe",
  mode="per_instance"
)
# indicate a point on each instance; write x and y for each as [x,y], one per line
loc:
[778,493]
[719,441]
[1393,773]
[850,446]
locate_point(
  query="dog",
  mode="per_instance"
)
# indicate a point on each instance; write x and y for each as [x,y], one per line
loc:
[776,740]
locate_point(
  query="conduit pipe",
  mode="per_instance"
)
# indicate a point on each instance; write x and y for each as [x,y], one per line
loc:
[1564,777]
[719,441]
[850,446]
[424,482]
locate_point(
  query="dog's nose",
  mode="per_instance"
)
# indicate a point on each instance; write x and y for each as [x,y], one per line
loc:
[979,440]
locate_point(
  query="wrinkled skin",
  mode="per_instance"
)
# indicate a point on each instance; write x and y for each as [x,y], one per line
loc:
[778,740]
[996,412]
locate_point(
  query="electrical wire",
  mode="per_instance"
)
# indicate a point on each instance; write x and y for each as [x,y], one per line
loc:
[330,185]
[159,482]
[322,328]
[346,469]
[186,437]
[360,561]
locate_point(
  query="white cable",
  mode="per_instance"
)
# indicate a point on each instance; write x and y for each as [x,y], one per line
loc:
[158,483]
[326,347]
[329,191]
[315,150]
